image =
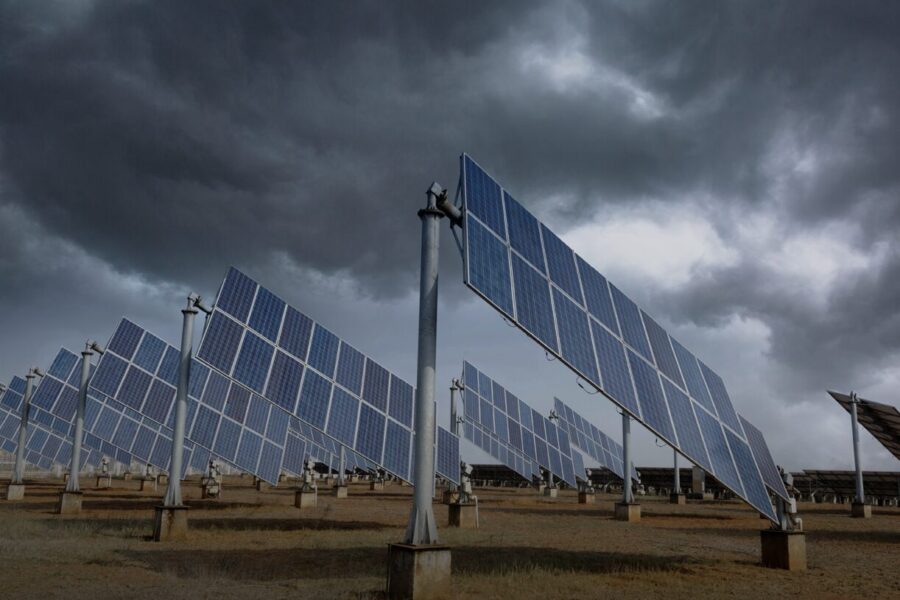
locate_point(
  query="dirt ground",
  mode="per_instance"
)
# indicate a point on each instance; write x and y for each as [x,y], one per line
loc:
[252,544]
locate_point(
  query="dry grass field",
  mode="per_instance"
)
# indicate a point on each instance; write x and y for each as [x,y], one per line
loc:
[256,545]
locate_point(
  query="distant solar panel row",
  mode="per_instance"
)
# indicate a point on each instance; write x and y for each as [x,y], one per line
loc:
[524,467]
[533,278]
[590,440]
[307,371]
[881,420]
[44,447]
[516,425]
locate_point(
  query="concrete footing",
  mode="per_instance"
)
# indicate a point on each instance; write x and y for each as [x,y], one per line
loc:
[170,523]
[162,479]
[628,512]
[15,491]
[586,497]
[104,482]
[209,491]
[354,478]
[418,572]
[783,549]
[305,498]
[861,511]
[376,486]
[126,476]
[551,492]
[69,503]
[148,485]
[677,499]
[339,491]
[463,515]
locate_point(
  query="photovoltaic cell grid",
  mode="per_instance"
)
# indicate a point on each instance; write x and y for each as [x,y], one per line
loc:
[764,459]
[43,447]
[307,371]
[881,420]
[512,424]
[533,278]
[590,440]
[307,442]
[111,428]
[224,419]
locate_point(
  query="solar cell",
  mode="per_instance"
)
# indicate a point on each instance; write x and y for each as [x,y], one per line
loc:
[764,460]
[622,336]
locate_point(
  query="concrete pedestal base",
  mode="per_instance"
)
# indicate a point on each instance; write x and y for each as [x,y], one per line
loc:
[69,503]
[585,497]
[861,511]
[339,491]
[15,491]
[354,479]
[541,487]
[463,515]
[628,512]
[418,572]
[677,499]
[209,491]
[783,549]
[104,482]
[127,476]
[551,492]
[305,499]
[162,480]
[376,486]
[148,485]
[170,523]
[450,496]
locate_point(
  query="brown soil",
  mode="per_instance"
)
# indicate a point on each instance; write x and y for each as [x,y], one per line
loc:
[256,545]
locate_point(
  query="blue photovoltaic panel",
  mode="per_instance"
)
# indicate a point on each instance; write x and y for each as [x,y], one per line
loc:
[556,455]
[764,459]
[750,475]
[719,455]
[44,447]
[221,414]
[580,434]
[689,437]
[499,236]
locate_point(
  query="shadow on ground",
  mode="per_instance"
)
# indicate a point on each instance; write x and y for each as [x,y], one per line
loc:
[238,524]
[322,563]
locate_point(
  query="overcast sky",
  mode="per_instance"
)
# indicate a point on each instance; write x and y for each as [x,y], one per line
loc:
[733,167]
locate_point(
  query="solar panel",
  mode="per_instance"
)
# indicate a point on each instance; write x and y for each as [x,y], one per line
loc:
[598,331]
[310,373]
[447,464]
[881,420]
[44,447]
[539,442]
[764,459]
[590,440]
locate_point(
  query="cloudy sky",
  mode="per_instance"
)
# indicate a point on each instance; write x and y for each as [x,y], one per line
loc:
[734,168]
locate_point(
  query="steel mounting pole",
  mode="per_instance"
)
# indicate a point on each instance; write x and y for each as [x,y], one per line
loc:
[75,467]
[342,466]
[173,491]
[860,492]
[677,488]
[422,528]
[628,493]
[19,471]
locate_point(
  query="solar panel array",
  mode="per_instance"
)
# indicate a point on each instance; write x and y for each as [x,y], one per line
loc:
[881,420]
[305,442]
[590,440]
[517,435]
[139,373]
[764,459]
[278,352]
[534,279]
[447,455]
[44,447]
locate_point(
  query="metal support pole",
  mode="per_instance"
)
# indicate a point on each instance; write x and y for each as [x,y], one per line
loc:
[422,528]
[19,471]
[677,488]
[75,467]
[860,492]
[342,467]
[628,495]
[173,491]
[454,426]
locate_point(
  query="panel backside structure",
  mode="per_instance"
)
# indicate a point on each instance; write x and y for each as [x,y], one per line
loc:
[521,268]
[585,436]
[279,353]
[514,426]
[881,420]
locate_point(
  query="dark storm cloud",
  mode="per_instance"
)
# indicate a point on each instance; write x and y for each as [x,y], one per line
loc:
[169,139]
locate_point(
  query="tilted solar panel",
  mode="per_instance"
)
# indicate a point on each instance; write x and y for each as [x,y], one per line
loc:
[881,420]
[764,459]
[518,435]
[535,280]
[591,440]
[44,447]
[307,371]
